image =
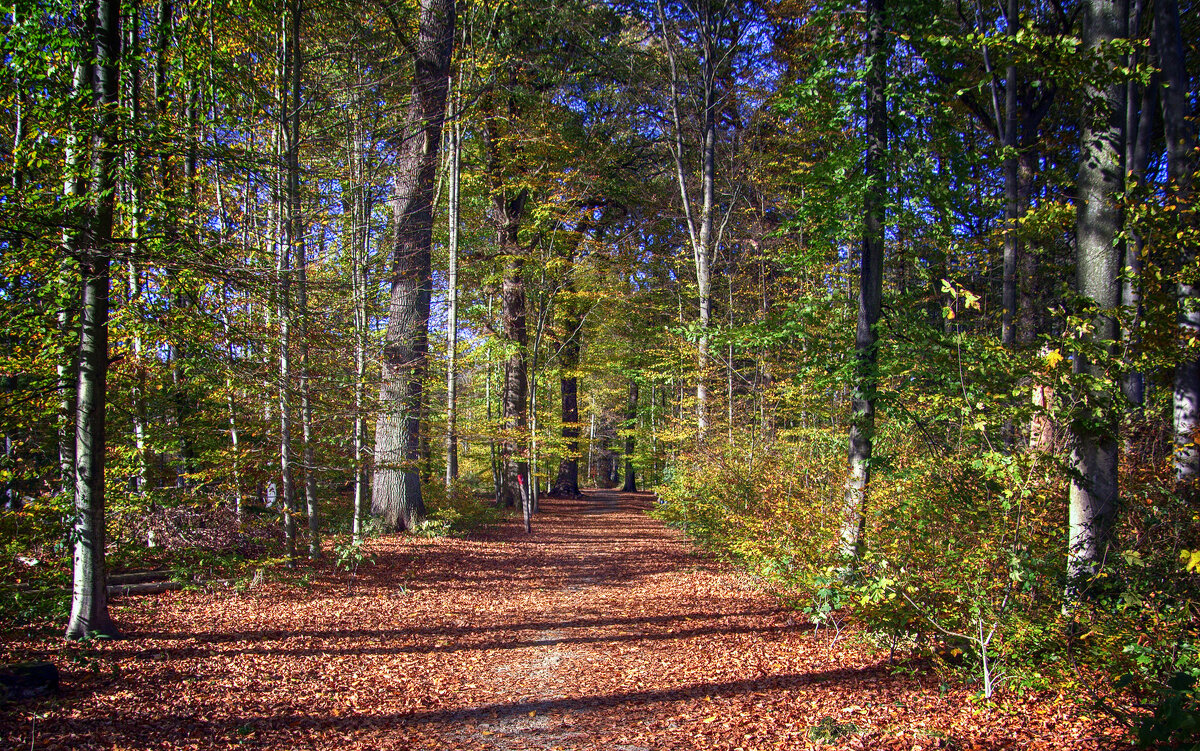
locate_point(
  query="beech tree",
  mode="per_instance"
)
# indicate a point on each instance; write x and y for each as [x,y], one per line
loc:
[1093,500]
[89,600]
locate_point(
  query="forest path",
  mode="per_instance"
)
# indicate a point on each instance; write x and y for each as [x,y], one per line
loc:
[601,630]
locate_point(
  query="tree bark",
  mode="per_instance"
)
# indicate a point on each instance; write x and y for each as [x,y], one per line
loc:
[1012,206]
[359,232]
[514,469]
[1093,493]
[287,241]
[452,294]
[89,600]
[1181,164]
[700,229]
[631,412]
[870,294]
[397,482]
[566,484]
[296,218]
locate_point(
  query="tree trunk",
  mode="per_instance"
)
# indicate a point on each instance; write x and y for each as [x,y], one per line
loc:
[452,294]
[1093,493]
[566,485]
[631,414]
[1008,132]
[297,231]
[514,470]
[397,484]
[89,600]
[870,294]
[360,233]
[700,229]
[1181,164]
[287,241]
[1138,110]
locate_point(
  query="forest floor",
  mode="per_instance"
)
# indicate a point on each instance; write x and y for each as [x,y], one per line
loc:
[601,630]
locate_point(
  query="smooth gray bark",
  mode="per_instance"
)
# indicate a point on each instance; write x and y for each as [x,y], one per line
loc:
[1093,492]
[89,599]
[287,242]
[700,228]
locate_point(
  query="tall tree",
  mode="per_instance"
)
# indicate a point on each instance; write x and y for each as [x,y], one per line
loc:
[713,45]
[1093,493]
[870,287]
[1181,168]
[453,221]
[397,483]
[89,601]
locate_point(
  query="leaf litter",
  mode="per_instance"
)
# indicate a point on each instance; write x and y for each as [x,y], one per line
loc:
[602,629]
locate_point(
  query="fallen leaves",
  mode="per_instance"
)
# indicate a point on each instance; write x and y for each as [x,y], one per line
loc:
[601,630]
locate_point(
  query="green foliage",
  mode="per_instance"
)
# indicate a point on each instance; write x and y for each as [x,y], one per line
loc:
[828,730]
[456,512]
[34,564]
[348,555]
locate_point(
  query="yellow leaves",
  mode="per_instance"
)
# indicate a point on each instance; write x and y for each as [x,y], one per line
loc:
[958,295]
[1191,560]
[1053,358]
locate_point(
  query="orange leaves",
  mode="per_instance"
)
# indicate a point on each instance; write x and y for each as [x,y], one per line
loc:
[604,630]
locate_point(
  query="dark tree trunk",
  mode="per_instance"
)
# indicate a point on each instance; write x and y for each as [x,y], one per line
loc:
[89,599]
[566,485]
[1012,205]
[630,485]
[514,470]
[397,483]
[870,295]
[1093,494]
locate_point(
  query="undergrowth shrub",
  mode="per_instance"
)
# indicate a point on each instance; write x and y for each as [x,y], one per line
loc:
[752,508]
[965,565]
[455,512]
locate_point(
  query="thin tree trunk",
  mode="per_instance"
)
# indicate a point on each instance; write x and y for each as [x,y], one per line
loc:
[452,294]
[870,295]
[296,217]
[360,233]
[134,274]
[74,186]
[397,484]
[1093,493]
[89,600]
[287,241]
[1008,138]
[700,230]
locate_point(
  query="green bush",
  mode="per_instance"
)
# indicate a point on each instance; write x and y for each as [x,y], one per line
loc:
[454,512]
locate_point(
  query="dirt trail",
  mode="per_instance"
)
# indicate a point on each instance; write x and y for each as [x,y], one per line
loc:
[602,630]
